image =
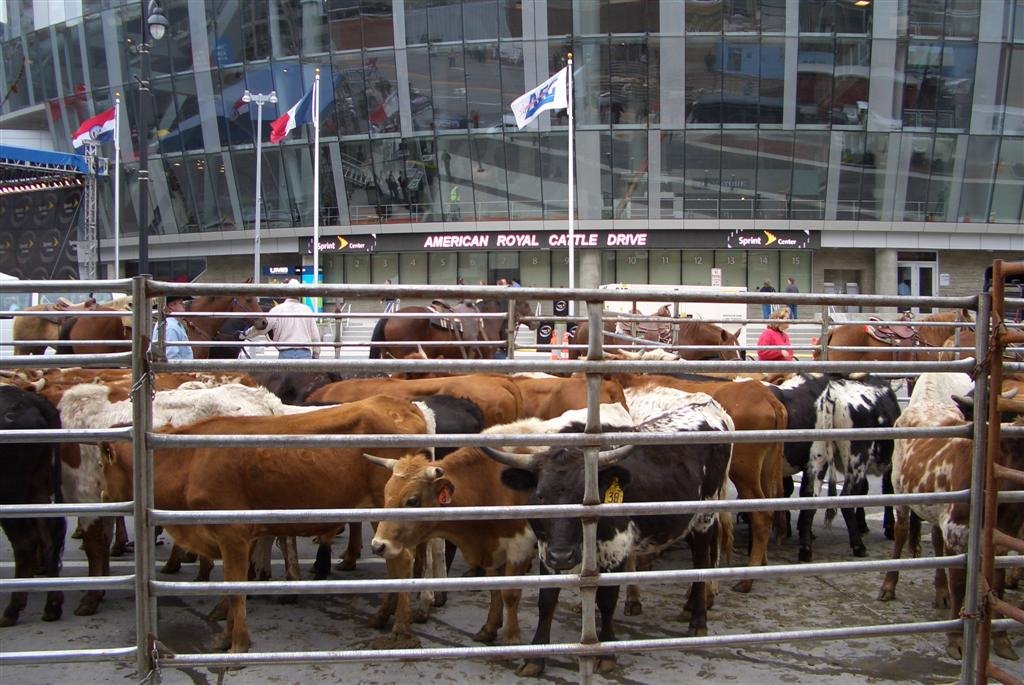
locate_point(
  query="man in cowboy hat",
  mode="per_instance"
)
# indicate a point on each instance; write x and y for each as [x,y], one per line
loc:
[295,336]
[174,331]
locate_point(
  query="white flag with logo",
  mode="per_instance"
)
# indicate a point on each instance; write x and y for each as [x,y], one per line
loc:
[552,94]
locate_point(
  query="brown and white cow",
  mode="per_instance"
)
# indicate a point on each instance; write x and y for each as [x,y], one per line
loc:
[245,478]
[922,465]
[550,397]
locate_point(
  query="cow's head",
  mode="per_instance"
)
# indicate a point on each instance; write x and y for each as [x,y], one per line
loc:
[415,482]
[556,477]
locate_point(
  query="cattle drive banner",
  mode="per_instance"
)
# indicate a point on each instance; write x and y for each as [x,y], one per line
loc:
[557,240]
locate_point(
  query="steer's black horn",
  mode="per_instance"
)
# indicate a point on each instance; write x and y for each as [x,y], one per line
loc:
[609,457]
[389,464]
[513,459]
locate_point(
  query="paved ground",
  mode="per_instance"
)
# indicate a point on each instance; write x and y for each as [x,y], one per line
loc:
[336,622]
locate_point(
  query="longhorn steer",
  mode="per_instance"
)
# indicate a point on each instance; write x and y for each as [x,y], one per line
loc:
[31,475]
[943,465]
[642,473]
[246,478]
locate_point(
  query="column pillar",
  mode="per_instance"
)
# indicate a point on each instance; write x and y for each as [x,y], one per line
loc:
[589,275]
[885,276]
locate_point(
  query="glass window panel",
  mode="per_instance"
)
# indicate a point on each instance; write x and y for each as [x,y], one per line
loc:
[873,183]
[796,265]
[480,20]
[510,19]
[772,86]
[483,87]
[697,265]
[421,104]
[653,105]
[350,102]
[357,170]
[1009,183]
[629,16]
[378,26]
[816,16]
[554,174]
[739,174]
[852,163]
[523,169]
[631,266]
[810,174]
[941,182]
[473,268]
[665,267]
[384,265]
[629,174]
[628,99]
[209,190]
[850,86]
[962,17]
[733,264]
[416,31]
[489,177]
[925,17]
[772,15]
[740,61]
[560,17]
[560,269]
[703,80]
[608,106]
[815,62]
[344,24]
[502,265]
[703,169]
[256,30]
[1009,95]
[763,265]
[534,269]
[509,57]
[171,55]
[444,20]
[978,174]
[673,175]
[920,157]
[357,268]
[456,185]
[448,81]
[225,22]
[412,268]
[40,55]
[382,91]
[853,17]
[444,268]
[774,174]
[939,85]
[70,54]
[703,16]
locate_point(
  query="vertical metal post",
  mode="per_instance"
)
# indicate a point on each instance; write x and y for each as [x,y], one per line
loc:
[977,514]
[143,126]
[825,321]
[142,475]
[510,332]
[259,190]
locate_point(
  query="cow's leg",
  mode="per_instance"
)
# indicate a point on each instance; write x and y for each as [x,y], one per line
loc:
[745,472]
[401,636]
[607,598]
[354,548]
[785,518]
[121,545]
[174,559]
[547,601]
[701,545]
[633,606]
[322,565]
[512,635]
[438,568]
[489,631]
[96,537]
[810,486]
[957,584]
[205,569]
[20,534]
[52,532]
[887,513]
[900,532]
[424,599]
[290,554]
[259,563]
[235,549]
[1000,640]
[854,486]
[942,584]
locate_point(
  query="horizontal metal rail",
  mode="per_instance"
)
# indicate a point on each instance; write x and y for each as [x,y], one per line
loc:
[124,582]
[15,511]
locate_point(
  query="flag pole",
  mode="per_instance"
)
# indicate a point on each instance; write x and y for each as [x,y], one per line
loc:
[316,178]
[117,185]
[572,251]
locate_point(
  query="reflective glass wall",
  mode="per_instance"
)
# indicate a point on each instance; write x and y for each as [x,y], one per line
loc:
[684,109]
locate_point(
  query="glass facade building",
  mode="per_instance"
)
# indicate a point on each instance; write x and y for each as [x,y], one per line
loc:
[880,124]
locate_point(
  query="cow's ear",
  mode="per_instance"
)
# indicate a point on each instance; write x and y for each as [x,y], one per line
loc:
[606,476]
[444,490]
[519,479]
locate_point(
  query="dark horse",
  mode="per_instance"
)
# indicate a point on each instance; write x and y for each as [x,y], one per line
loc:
[200,329]
[671,332]
[419,332]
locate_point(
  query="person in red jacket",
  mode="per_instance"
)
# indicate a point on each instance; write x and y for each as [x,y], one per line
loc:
[775,334]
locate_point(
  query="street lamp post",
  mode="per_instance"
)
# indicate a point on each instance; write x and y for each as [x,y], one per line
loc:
[156,21]
[260,99]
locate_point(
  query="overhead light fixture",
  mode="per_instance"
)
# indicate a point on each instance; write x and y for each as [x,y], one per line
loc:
[862,3]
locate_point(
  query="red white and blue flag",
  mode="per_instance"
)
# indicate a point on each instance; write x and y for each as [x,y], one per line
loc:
[552,94]
[99,128]
[300,113]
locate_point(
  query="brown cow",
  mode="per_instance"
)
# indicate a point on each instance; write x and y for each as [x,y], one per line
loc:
[756,468]
[922,465]
[549,398]
[247,478]
[497,396]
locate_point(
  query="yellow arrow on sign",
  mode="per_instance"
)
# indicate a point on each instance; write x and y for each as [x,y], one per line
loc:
[342,243]
[771,238]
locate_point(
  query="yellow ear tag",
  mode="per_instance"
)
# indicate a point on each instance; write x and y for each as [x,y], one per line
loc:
[613,495]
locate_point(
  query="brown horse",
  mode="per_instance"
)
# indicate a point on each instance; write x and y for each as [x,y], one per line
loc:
[419,332]
[111,329]
[674,332]
[911,343]
[46,326]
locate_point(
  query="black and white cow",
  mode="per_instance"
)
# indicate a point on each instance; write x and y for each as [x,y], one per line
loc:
[822,402]
[31,475]
[629,473]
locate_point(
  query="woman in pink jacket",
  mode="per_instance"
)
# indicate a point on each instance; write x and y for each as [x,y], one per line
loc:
[775,334]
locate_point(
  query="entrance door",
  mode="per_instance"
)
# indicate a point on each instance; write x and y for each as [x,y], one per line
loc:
[918,279]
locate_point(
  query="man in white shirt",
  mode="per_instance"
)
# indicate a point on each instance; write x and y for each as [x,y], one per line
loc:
[294,335]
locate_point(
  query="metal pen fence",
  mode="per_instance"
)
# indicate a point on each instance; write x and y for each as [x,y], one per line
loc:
[146,515]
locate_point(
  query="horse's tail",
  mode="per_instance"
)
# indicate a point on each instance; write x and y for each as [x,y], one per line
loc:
[65,334]
[377,336]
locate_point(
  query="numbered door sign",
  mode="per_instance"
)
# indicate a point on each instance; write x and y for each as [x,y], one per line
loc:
[716,277]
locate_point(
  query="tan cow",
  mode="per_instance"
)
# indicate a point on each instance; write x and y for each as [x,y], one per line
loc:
[756,468]
[548,398]
[497,396]
[245,478]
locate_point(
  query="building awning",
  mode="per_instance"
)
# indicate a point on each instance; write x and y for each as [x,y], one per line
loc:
[56,162]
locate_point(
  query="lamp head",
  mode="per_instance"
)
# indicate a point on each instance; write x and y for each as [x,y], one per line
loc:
[246,96]
[273,97]
[157,21]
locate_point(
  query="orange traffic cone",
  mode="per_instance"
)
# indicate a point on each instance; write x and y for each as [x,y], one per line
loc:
[554,341]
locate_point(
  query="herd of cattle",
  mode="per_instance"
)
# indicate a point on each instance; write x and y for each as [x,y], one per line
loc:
[247,478]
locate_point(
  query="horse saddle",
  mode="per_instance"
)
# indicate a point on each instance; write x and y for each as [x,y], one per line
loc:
[892,334]
[56,312]
[444,322]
